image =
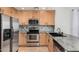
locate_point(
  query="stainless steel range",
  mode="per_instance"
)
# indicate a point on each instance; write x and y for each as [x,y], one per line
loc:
[33,39]
[33,34]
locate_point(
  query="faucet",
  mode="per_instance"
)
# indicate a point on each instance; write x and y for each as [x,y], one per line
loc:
[58,30]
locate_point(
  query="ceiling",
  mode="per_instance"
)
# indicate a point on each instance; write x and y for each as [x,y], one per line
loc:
[43,8]
[34,8]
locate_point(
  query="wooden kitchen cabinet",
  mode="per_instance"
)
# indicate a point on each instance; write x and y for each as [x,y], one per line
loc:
[57,47]
[54,46]
[50,44]
[14,13]
[6,11]
[43,39]
[9,11]
[47,17]
[35,14]
[24,17]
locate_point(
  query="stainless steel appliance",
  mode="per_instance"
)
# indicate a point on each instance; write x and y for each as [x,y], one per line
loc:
[33,40]
[15,33]
[33,22]
[33,34]
[6,34]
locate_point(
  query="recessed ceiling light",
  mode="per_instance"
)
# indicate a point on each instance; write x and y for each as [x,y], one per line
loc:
[22,8]
[36,8]
[43,8]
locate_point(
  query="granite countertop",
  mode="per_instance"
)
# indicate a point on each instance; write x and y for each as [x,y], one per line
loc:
[69,43]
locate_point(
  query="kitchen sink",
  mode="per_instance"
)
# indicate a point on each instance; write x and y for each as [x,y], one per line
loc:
[57,35]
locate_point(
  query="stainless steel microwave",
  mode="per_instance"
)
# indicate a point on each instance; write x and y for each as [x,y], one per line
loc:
[33,22]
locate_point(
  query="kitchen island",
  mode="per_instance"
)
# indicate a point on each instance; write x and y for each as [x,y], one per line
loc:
[68,43]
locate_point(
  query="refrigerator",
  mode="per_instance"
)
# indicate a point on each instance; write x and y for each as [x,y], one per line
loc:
[8,41]
[5,33]
[15,34]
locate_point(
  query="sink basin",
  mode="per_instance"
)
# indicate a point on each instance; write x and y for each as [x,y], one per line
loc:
[57,35]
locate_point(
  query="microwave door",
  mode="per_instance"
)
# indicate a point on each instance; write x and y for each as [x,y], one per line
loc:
[33,22]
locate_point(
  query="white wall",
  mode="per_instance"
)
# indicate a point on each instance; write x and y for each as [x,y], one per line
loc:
[63,19]
[75,22]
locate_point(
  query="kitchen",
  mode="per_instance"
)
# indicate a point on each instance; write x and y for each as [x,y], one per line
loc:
[39,29]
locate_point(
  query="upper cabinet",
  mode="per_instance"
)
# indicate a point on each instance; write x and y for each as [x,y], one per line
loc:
[6,11]
[24,16]
[35,14]
[47,17]
[10,11]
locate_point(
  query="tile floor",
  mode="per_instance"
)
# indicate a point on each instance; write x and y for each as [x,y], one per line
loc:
[33,49]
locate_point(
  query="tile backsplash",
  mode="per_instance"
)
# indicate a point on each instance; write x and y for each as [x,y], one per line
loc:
[46,28]
[42,28]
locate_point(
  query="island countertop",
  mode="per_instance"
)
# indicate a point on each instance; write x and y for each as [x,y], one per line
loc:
[69,43]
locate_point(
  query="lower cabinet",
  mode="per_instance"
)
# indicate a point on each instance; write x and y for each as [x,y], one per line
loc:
[47,40]
[57,47]
[50,44]
[54,46]
[43,39]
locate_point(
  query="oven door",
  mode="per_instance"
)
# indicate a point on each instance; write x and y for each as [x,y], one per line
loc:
[32,38]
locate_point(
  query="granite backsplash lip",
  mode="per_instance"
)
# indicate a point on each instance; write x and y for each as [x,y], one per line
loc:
[69,43]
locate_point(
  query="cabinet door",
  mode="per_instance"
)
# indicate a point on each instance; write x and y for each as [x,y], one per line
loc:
[47,17]
[43,39]
[6,10]
[57,47]
[43,17]
[24,17]
[13,12]
[35,14]
[50,44]
[27,15]
[9,11]
[50,17]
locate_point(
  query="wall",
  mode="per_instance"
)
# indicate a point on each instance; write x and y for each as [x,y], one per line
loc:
[75,22]
[63,19]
